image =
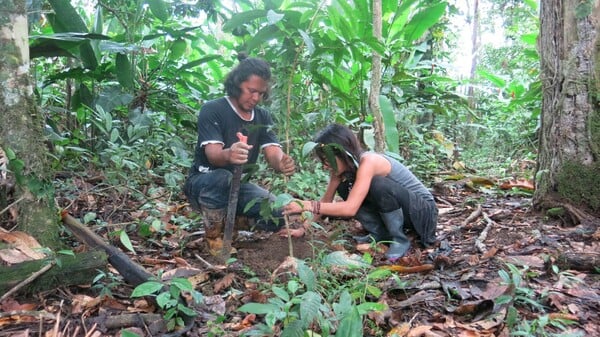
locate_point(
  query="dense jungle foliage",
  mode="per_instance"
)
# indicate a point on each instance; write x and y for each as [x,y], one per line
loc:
[120,82]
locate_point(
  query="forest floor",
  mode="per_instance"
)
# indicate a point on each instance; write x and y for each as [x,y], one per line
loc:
[486,237]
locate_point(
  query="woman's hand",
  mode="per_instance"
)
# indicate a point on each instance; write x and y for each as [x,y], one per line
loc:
[296,207]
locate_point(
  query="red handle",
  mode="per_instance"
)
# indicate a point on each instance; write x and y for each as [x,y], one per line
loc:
[242,138]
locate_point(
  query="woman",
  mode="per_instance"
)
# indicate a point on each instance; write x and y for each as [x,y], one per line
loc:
[380,192]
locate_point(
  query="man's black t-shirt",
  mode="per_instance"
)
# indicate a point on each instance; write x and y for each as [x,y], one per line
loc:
[219,123]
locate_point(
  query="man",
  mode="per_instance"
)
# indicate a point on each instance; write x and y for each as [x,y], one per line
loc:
[220,124]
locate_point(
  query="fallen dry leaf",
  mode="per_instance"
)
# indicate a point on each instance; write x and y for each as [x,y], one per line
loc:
[21,247]
[247,322]
[518,183]
[399,331]
[224,283]
[83,303]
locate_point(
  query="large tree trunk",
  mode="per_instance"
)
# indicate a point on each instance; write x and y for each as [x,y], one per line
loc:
[569,153]
[21,129]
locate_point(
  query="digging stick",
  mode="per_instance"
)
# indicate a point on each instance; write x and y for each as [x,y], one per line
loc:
[232,205]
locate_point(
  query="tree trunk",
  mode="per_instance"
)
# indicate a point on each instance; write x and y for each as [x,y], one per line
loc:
[376,80]
[474,53]
[21,129]
[569,140]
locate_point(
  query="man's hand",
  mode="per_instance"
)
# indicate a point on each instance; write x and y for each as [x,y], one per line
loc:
[238,153]
[287,165]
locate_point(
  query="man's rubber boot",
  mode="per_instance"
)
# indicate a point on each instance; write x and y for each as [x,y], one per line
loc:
[372,223]
[394,222]
[214,224]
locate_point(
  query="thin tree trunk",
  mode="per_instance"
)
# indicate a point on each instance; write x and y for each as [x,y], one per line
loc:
[376,80]
[474,52]
[21,129]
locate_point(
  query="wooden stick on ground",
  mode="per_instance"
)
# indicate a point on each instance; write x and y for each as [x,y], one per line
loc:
[479,242]
[474,215]
[133,273]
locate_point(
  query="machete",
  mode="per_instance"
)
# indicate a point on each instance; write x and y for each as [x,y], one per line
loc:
[232,205]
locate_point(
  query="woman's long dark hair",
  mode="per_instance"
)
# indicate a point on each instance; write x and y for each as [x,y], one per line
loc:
[247,67]
[340,141]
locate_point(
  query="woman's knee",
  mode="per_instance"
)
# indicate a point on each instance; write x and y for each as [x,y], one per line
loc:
[385,193]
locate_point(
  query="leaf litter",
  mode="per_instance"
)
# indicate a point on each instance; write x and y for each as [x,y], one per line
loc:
[452,289]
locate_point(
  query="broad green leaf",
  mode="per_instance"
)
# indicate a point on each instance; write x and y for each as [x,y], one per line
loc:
[367,307]
[243,18]
[89,216]
[182,283]
[530,39]
[379,274]
[200,61]
[293,286]
[308,148]
[400,18]
[127,333]
[350,325]
[389,122]
[343,259]
[266,34]
[294,329]
[309,308]
[98,20]
[67,19]
[126,241]
[124,71]
[274,17]
[114,135]
[373,291]
[178,49]
[282,200]
[308,42]
[375,45]
[258,308]
[423,20]
[163,299]
[146,288]
[496,80]
[159,9]
[341,24]
[281,293]
[186,310]
[306,275]
[66,252]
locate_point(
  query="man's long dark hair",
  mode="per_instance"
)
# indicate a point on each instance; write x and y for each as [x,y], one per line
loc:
[247,67]
[340,141]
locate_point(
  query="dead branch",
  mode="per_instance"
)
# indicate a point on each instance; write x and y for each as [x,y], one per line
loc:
[479,242]
[588,262]
[41,314]
[133,273]
[153,322]
[474,215]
